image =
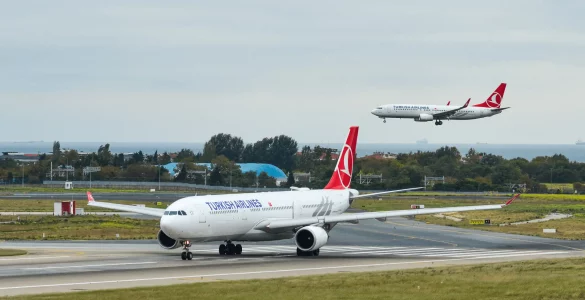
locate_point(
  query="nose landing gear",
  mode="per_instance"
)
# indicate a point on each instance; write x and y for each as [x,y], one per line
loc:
[384,120]
[230,249]
[186,254]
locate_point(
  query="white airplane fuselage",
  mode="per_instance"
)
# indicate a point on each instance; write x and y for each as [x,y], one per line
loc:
[420,111]
[234,216]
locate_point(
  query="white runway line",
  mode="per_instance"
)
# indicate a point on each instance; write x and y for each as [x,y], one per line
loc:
[92,266]
[32,257]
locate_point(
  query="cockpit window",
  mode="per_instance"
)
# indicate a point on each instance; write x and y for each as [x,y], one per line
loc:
[379,107]
[166,213]
[173,213]
[184,213]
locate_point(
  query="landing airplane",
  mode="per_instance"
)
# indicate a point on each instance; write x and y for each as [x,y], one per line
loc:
[305,215]
[438,113]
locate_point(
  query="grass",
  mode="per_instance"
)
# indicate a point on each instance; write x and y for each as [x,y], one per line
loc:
[537,279]
[26,205]
[11,252]
[527,207]
[76,228]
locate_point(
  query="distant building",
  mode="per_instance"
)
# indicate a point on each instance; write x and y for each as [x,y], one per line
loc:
[381,155]
[20,157]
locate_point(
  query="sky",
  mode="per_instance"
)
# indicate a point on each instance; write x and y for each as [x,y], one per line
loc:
[182,71]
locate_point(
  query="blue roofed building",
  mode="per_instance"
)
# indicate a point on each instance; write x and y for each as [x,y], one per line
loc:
[271,170]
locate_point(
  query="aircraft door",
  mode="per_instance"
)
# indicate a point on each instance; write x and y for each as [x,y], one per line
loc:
[244,214]
[297,209]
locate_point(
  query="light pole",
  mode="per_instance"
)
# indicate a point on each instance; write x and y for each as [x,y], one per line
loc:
[22,175]
[159,166]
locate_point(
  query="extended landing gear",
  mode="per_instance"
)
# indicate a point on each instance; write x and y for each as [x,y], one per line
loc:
[230,249]
[384,120]
[307,253]
[438,122]
[186,254]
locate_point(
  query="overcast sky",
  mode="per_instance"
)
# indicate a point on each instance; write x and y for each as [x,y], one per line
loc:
[174,71]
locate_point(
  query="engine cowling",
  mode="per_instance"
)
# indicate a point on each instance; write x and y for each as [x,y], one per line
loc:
[311,238]
[166,242]
[424,118]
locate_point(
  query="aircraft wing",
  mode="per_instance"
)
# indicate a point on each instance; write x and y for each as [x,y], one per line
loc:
[447,114]
[386,192]
[156,212]
[269,225]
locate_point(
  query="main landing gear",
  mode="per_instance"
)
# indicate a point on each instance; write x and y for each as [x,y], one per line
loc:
[307,253]
[230,249]
[438,122]
[186,254]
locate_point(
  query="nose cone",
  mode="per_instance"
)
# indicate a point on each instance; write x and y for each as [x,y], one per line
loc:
[166,225]
[375,112]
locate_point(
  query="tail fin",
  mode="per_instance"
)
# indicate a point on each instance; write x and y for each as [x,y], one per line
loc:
[341,178]
[90,197]
[495,99]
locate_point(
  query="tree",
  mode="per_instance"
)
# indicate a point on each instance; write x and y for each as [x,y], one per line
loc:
[104,156]
[185,155]
[215,177]
[164,159]
[138,157]
[266,181]
[56,151]
[182,176]
[155,158]
[227,145]
[290,180]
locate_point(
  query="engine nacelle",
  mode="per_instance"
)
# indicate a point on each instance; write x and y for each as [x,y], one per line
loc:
[424,118]
[166,242]
[311,238]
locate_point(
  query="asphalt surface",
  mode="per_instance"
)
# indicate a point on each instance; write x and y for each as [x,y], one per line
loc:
[398,243]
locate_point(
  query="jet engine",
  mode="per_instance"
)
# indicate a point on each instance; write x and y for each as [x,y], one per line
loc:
[166,242]
[424,118]
[311,238]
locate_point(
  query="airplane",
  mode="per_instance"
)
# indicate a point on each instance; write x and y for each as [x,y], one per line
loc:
[305,215]
[426,113]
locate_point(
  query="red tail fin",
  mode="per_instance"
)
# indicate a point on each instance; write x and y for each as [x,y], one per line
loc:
[341,178]
[495,99]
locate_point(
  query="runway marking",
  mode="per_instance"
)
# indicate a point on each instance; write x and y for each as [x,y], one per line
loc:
[91,266]
[32,257]
[269,271]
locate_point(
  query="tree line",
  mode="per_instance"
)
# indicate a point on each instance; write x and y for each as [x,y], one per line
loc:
[472,171]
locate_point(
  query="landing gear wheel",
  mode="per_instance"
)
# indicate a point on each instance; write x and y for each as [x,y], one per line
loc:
[231,249]
[384,121]
[189,256]
[316,252]
[184,255]
[238,249]
[307,253]
[222,249]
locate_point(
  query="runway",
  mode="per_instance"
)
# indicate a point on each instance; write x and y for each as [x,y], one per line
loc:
[156,196]
[396,244]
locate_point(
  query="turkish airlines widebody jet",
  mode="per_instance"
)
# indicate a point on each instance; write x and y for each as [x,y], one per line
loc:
[438,113]
[307,216]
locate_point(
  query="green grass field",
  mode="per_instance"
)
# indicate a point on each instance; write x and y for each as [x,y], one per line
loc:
[76,228]
[527,207]
[11,252]
[528,280]
[25,205]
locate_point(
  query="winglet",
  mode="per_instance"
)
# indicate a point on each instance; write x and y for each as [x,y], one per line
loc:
[90,197]
[512,200]
[466,103]
[448,103]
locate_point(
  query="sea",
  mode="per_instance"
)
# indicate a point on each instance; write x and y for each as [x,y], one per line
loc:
[572,151]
